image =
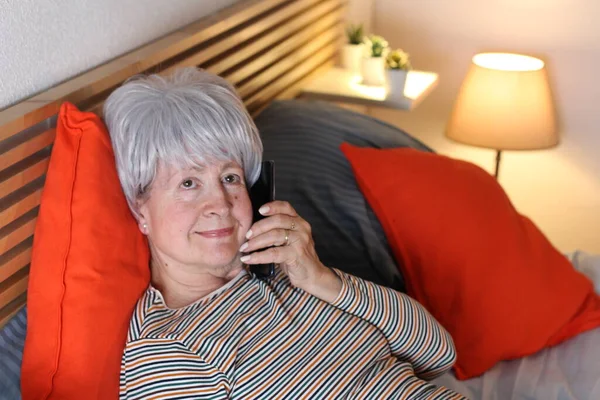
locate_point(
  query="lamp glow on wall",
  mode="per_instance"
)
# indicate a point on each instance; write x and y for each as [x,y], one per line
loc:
[504,103]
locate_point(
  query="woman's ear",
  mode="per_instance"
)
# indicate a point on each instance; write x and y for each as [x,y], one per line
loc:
[142,224]
[140,216]
[143,227]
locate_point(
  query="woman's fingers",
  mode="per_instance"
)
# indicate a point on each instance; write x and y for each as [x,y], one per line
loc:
[276,254]
[278,207]
[283,238]
[274,237]
[278,221]
[263,257]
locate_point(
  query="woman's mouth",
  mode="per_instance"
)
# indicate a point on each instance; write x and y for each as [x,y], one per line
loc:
[217,233]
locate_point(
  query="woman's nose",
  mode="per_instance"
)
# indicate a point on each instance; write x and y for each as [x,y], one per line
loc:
[218,203]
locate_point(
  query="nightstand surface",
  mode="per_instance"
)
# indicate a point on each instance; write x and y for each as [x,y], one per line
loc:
[340,85]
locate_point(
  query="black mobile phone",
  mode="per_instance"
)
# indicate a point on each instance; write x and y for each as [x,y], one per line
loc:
[262,192]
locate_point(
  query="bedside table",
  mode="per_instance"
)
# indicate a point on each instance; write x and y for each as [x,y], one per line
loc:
[340,85]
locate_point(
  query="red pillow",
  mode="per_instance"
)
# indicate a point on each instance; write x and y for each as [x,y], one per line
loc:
[89,266]
[484,271]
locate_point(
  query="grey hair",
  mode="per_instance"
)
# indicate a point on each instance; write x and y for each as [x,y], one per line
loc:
[186,119]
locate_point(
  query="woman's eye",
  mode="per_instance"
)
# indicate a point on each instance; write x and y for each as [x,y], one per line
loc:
[188,184]
[232,178]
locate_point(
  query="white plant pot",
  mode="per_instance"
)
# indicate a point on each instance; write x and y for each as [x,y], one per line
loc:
[373,71]
[396,81]
[351,56]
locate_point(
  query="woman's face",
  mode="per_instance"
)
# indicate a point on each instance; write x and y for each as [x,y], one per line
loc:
[197,219]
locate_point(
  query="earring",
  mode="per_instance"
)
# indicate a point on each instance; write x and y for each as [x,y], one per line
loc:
[145,226]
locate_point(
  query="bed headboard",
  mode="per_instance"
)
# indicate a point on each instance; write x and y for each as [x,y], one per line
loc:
[267,48]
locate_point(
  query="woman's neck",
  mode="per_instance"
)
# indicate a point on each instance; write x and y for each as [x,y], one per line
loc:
[181,287]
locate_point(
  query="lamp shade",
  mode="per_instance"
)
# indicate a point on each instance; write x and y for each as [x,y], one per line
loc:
[504,103]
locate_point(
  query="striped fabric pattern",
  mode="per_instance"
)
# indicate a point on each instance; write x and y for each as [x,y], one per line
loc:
[12,341]
[264,339]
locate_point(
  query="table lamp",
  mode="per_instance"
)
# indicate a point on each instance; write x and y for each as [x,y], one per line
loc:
[504,103]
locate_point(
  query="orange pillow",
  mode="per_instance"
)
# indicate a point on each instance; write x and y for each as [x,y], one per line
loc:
[484,271]
[89,266]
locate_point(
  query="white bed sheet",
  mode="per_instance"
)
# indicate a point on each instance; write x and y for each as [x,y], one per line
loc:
[569,371]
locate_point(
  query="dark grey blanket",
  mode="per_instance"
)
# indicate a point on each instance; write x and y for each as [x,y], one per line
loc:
[314,176]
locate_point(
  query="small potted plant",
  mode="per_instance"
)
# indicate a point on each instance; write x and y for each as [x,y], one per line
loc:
[353,50]
[373,64]
[398,65]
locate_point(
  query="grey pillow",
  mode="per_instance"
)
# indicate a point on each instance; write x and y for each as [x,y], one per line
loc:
[12,341]
[311,172]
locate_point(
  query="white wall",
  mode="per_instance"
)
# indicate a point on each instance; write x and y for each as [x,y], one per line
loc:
[44,42]
[560,188]
[361,12]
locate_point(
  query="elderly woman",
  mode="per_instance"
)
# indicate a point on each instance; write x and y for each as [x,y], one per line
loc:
[187,153]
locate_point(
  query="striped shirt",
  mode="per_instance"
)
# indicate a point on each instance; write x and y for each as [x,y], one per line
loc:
[266,339]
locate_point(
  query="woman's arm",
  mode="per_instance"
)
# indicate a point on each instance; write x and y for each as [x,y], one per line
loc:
[413,334]
[398,382]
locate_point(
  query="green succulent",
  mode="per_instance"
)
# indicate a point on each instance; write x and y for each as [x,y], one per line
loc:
[355,33]
[398,59]
[377,45]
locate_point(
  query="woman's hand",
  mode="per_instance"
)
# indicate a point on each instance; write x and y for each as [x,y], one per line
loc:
[294,250]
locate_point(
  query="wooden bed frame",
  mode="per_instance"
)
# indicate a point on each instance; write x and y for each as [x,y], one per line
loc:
[267,48]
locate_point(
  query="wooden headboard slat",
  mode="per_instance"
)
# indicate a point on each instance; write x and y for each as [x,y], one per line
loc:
[230,17]
[12,308]
[202,31]
[20,202]
[312,33]
[108,76]
[17,258]
[266,48]
[14,286]
[285,78]
[16,245]
[293,90]
[25,171]
[317,24]
[27,148]
[243,33]
[310,19]
[271,46]
[278,61]
[22,116]
[17,231]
